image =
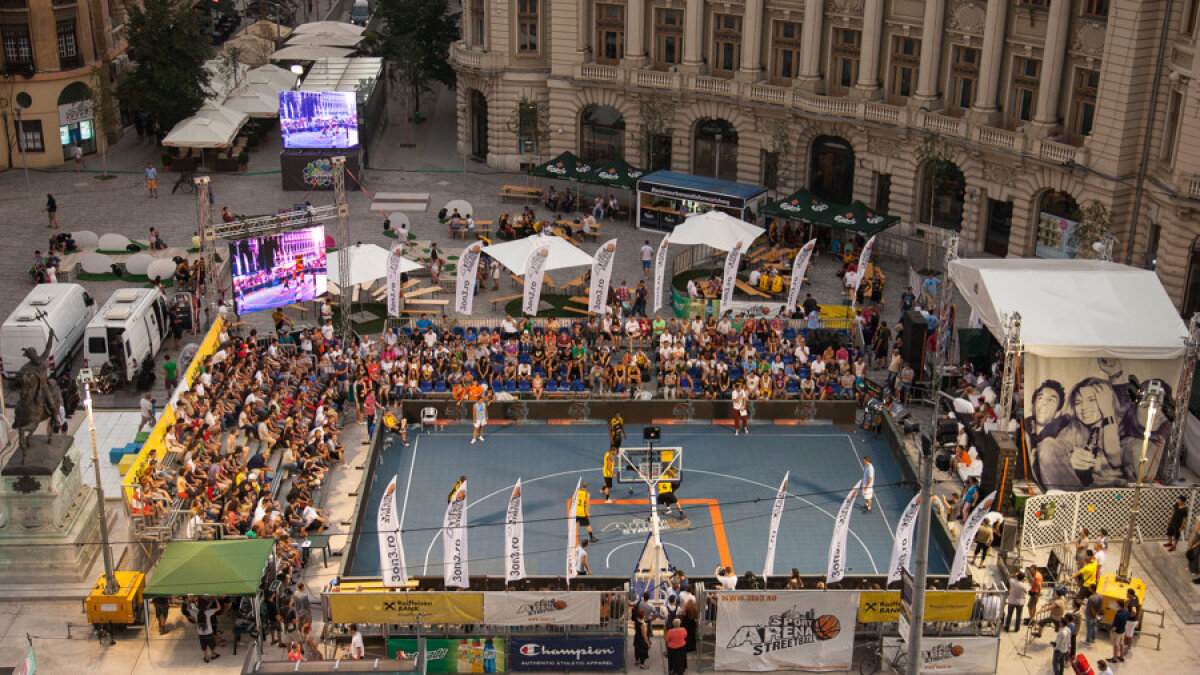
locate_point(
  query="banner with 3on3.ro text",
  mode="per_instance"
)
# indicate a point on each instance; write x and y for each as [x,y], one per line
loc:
[786,630]
[963,656]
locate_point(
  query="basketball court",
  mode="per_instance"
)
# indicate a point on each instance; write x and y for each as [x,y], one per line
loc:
[727,491]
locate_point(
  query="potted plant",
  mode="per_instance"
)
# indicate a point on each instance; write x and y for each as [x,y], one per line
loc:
[243,160]
[253,141]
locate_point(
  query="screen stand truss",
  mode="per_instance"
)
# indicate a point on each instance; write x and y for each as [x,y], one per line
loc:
[651,466]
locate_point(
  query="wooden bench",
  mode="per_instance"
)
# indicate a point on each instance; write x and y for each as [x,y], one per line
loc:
[747,288]
[506,298]
[577,281]
[568,308]
[519,192]
[430,302]
[546,281]
[423,291]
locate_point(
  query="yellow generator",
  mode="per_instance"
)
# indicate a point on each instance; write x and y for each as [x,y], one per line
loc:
[1114,590]
[120,609]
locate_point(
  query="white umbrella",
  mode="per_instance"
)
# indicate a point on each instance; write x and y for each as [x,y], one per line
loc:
[256,99]
[368,263]
[280,79]
[329,27]
[324,40]
[302,53]
[716,229]
[513,254]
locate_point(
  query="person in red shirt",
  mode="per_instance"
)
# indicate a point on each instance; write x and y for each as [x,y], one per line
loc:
[676,648]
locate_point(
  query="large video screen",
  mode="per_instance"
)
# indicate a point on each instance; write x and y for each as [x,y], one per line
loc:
[278,269]
[318,119]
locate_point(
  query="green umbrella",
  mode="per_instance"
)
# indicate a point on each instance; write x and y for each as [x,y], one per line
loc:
[858,217]
[804,205]
[615,173]
[565,167]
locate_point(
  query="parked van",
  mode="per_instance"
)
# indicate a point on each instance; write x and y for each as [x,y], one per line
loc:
[66,308]
[127,331]
[360,13]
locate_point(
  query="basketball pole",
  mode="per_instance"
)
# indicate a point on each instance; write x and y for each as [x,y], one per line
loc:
[921,552]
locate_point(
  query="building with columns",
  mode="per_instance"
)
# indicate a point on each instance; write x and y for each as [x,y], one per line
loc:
[1004,119]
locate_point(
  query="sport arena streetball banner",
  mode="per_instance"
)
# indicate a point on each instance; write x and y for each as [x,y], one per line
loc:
[786,630]
[541,608]
[953,655]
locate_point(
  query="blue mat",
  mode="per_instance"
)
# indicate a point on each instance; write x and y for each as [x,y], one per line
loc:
[728,487]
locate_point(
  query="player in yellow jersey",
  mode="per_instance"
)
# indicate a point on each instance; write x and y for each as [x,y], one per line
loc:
[616,431]
[583,509]
[610,465]
[666,491]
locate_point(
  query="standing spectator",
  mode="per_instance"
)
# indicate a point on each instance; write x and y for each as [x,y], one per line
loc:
[581,557]
[1193,553]
[202,614]
[907,300]
[930,286]
[156,241]
[641,639]
[1062,645]
[77,153]
[1117,632]
[904,391]
[151,180]
[357,650]
[1175,524]
[983,543]
[639,301]
[1093,610]
[170,374]
[1034,575]
[147,407]
[647,253]
[727,578]
[1018,594]
[1135,617]
[676,648]
[51,211]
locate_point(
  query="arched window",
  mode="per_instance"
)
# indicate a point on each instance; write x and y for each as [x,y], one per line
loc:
[942,188]
[831,170]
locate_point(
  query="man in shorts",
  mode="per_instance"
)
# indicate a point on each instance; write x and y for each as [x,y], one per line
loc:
[480,412]
[666,491]
[151,179]
[616,431]
[202,614]
[610,465]
[739,397]
[583,509]
[868,483]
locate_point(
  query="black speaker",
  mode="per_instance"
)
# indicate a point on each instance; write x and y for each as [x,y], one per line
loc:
[651,433]
[1009,534]
[916,332]
[942,461]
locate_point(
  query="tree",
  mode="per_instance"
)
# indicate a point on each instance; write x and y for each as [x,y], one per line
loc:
[416,39]
[104,110]
[169,79]
[1094,224]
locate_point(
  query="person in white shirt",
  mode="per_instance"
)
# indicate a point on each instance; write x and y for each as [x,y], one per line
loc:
[755,277]
[727,578]
[147,408]
[581,558]
[1103,668]
[647,254]
[356,650]
[692,290]
[739,397]
[868,482]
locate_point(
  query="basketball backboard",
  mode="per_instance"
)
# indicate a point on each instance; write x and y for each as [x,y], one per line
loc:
[649,465]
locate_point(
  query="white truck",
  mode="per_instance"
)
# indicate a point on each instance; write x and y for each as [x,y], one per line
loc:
[66,308]
[127,331]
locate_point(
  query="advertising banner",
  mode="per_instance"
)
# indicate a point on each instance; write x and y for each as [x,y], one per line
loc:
[402,607]
[729,279]
[464,283]
[863,259]
[393,281]
[660,274]
[572,534]
[903,544]
[799,267]
[514,537]
[455,570]
[476,655]
[773,534]
[958,569]
[540,608]
[305,170]
[566,654]
[884,606]
[535,269]
[786,630]
[953,655]
[1083,428]
[837,546]
[391,548]
[602,267]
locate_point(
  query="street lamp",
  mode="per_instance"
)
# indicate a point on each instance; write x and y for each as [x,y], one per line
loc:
[717,155]
[110,580]
[466,136]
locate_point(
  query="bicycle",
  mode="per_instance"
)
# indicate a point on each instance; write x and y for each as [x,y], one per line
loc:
[875,658]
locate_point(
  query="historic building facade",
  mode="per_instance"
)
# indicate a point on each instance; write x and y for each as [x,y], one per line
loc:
[51,52]
[1005,119]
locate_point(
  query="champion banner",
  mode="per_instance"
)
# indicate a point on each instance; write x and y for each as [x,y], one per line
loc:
[732,261]
[514,537]
[786,630]
[454,540]
[393,282]
[837,546]
[391,548]
[902,546]
[799,267]
[464,284]
[959,569]
[660,273]
[773,535]
[962,656]
[572,534]
[535,269]
[515,608]
[602,266]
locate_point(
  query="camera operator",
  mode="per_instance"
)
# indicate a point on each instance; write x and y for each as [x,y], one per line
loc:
[873,414]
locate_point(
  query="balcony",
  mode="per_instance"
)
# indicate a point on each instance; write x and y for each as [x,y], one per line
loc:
[596,72]
[1192,184]
[657,79]
[70,62]
[713,85]
[476,58]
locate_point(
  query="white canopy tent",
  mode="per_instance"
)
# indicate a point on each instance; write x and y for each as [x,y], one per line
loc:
[1074,308]
[256,99]
[716,229]
[305,53]
[213,126]
[324,39]
[249,49]
[513,254]
[223,78]
[280,79]
[329,27]
[368,263]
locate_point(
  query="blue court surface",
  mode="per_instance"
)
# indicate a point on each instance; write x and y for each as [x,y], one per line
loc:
[728,488]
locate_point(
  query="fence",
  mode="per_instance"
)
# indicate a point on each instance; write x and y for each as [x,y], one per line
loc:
[1053,519]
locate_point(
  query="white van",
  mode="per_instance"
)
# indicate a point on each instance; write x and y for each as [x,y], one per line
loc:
[66,308]
[127,331]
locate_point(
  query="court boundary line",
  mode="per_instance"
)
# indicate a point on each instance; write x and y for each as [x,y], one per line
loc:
[408,482]
[608,557]
[882,511]
[714,515]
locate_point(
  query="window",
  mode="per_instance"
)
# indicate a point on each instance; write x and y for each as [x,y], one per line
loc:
[1171,131]
[1024,89]
[883,192]
[610,33]
[1083,104]
[785,51]
[770,169]
[727,43]
[1040,4]
[668,37]
[1095,8]
[847,44]
[17,47]
[68,50]
[527,26]
[906,58]
[30,137]
[964,78]
[1192,9]
[527,132]
[477,16]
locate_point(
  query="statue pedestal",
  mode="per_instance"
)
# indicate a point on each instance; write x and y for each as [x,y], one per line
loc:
[49,529]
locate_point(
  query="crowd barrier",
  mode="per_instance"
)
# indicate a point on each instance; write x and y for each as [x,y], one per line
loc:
[1054,519]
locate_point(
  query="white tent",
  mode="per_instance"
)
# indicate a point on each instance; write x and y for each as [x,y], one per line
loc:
[716,229]
[249,49]
[280,79]
[303,53]
[1074,308]
[329,27]
[324,39]
[368,263]
[212,126]
[222,78]
[256,99]
[513,254]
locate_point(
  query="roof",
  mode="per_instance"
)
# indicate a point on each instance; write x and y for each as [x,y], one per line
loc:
[703,184]
[1074,308]
[342,74]
[210,568]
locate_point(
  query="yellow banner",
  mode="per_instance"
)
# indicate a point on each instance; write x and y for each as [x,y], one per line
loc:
[400,607]
[884,606]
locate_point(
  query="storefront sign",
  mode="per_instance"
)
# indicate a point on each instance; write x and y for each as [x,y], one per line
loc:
[539,608]
[786,630]
[348,606]
[954,655]
[884,606]
[72,113]
[690,195]
[568,654]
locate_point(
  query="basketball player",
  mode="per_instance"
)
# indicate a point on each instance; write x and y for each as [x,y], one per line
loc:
[868,482]
[616,431]
[739,397]
[480,419]
[666,491]
[461,480]
[610,465]
[583,507]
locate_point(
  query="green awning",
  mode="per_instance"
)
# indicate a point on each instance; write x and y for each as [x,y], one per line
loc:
[565,167]
[804,205]
[615,173]
[210,568]
[858,217]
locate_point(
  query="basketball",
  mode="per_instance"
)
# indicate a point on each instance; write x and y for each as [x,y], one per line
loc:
[956,650]
[826,627]
[560,604]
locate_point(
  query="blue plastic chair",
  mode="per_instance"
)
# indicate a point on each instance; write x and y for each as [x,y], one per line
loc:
[552,386]
[426,387]
[523,386]
[793,387]
[510,386]
[439,387]
[497,385]
[577,385]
